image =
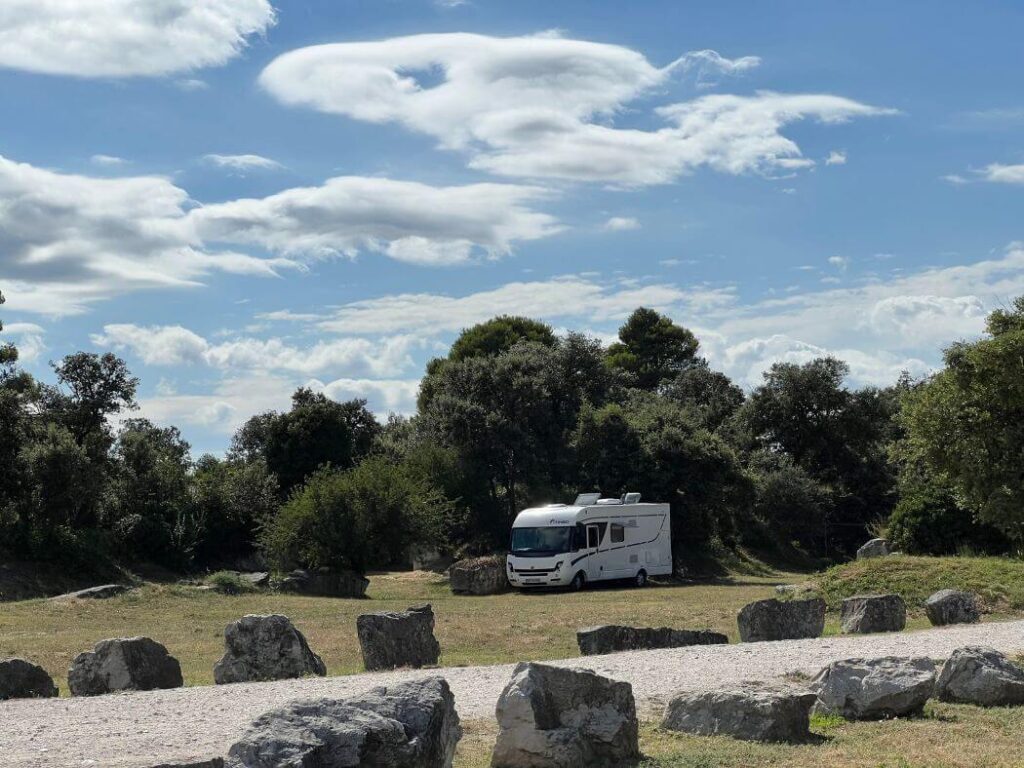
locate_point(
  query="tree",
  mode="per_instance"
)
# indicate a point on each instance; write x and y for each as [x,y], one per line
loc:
[967,422]
[91,388]
[499,334]
[365,517]
[652,348]
[316,432]
[714,397]
[8,352]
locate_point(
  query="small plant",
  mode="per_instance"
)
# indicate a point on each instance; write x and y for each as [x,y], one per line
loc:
[229,583]
[824,721]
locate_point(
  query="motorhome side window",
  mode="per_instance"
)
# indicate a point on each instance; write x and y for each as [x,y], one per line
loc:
[618,534]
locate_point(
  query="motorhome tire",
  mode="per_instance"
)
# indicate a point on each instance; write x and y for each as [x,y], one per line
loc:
[578,581]
[641,578]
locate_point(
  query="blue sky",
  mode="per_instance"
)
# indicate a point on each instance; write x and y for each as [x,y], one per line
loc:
[241,199]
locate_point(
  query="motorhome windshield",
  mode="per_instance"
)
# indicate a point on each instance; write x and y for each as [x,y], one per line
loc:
[541,541]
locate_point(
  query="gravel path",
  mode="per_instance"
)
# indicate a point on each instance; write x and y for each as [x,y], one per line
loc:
[139,730]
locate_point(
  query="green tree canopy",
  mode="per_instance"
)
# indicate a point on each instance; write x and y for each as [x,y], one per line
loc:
[499,334]
[652,348]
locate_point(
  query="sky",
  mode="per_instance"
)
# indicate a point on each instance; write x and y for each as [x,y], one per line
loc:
[241,198]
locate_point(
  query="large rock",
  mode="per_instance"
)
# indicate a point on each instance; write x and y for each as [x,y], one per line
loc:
[408,725]
[864,614]
[265,648]
[325,582]
[20,679]
[983,676]
[874,689]
[612,638]
[781,620]
[398,638]
[102,592]
[750,711]
[948,606]
[874,548]
[479,576]
[124,664]
[549,717]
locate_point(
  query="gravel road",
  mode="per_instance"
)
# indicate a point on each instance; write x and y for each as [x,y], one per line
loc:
[139,730]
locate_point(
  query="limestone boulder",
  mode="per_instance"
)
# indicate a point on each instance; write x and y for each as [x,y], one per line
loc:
[407,725]
[864,614]
[612,638]
[479,576]
[124,664]
[265,648]
[392,639]
[949,606]
[874,689]
[21,679]
[325,582]
[982,676]
[874,548]
[750,711]
[101,592]
[774,619]
[550,717]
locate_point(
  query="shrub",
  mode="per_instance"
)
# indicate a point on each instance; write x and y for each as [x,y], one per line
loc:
[230,583]
[930,522]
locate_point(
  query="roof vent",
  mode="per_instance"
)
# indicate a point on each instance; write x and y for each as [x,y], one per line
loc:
[631,498]
[586,499]
[609,502]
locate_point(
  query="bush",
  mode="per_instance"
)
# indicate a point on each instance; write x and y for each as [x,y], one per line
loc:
[930,522]
[230,583]
[362,518]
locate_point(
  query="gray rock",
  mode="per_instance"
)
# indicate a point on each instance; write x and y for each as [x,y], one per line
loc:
[408,725]
[124,664]
[393,639]
[612,638]
[479,576]
[874,689]
[774,619]
[20,679]
[750,711]
[256,578]
[216,762]
[874,548]
[265,648]
[549,717]
[101,592]
[982,676]
[948,606]
[324,582]
[864,614]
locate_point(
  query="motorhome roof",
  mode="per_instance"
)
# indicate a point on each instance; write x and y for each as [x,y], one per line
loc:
[561,514]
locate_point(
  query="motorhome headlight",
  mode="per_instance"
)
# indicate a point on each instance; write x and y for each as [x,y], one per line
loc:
[559,564]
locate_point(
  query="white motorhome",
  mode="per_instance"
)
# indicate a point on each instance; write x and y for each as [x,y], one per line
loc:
[593,539]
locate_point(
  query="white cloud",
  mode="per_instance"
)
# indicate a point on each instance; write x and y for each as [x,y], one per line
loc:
[191,84]
[242,162]
[540,107]
[175,345]
[839,262]
[621,224]
[69,240]
[28,338]
[107,160]
[124,38]
[1004,174]
[405,220]
[836,157]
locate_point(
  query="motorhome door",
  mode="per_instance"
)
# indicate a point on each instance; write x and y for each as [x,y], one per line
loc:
[593,561]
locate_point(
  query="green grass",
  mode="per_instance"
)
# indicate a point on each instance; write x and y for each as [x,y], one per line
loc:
[230,583]
[999,581]
[471,630]
[947,736]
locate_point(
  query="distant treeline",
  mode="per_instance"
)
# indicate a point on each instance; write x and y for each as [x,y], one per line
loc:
[513,416]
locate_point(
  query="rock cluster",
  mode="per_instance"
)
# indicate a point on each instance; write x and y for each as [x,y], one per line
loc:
[982,676]
[774,619]
[265,648]
[565,718]
[398,638]
[948,606]
[21,679]
[864,614]
[409,725]
[751,711]
[325,582]
[874,689]
[611,638]
[479,576]
[124,664]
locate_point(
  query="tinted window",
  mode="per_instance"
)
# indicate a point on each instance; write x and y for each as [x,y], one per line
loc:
[618,533]
[538,541]
[593,537]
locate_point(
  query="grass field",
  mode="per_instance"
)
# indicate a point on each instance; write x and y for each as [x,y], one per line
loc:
[947,736]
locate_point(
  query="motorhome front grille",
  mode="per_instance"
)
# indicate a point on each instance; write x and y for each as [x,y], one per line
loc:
[535,571]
